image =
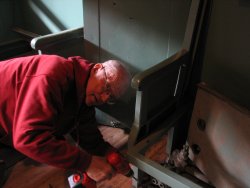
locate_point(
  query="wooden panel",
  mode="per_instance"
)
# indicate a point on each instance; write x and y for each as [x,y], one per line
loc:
[28,174]
[142,33]
[223,140]
[91,30]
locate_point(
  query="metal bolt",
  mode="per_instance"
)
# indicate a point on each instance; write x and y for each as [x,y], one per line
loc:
[196,149]
[115,124]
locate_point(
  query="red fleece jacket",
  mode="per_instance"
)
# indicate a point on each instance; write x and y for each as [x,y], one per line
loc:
[42,99]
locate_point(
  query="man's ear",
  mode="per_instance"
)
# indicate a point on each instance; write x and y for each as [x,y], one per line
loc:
[97,66]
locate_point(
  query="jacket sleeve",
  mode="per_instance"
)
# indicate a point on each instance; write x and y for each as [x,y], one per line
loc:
[39,102]
[88,135]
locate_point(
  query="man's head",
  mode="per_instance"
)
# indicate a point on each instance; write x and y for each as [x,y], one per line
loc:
[108,81]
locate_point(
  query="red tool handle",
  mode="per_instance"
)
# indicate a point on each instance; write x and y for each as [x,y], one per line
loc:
[119,163]
[78,180]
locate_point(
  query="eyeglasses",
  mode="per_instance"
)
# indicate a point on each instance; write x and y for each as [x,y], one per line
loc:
[111,100]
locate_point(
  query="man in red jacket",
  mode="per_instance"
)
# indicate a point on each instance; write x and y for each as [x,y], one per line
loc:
[44,97]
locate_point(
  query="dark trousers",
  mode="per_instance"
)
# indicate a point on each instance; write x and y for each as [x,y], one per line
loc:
[2,168]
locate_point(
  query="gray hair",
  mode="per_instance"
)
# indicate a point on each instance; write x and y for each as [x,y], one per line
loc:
[118,77]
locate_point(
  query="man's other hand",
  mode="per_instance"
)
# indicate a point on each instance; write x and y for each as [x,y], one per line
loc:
[99,169]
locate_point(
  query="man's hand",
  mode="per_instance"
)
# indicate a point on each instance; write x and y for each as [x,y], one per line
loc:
[99,169]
